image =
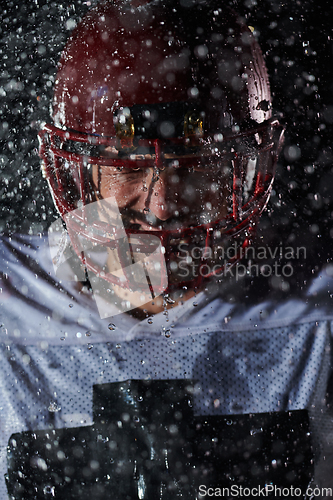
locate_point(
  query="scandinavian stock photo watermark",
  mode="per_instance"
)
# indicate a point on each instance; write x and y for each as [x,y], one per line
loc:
[236,261]
[268,490]
[97,247]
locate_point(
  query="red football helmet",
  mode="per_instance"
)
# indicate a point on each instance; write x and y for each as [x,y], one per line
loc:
[147,87]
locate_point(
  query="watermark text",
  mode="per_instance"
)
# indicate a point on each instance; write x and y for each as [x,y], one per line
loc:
[269,490]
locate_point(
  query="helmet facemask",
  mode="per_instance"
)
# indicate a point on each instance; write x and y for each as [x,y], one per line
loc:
[236,172]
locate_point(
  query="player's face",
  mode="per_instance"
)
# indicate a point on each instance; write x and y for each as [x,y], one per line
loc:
[165,199]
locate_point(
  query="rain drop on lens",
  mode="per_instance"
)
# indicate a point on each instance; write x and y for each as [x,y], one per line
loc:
[49,491]
[54,407]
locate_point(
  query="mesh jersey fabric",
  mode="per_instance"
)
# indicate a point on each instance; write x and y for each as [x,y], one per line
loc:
[244,358]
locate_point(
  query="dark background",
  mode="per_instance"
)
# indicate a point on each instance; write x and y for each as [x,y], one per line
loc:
[296,38]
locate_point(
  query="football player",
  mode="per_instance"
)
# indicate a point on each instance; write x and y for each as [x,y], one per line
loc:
[133,370]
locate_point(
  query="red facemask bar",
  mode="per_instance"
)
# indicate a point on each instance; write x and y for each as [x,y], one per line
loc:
[190,252]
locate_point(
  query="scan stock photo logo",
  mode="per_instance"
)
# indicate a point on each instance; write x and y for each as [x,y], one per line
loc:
[124,272]
[264,491]
[127,270]
[236,262]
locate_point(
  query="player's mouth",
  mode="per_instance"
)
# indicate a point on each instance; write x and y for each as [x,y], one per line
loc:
[149,222]
[139,221]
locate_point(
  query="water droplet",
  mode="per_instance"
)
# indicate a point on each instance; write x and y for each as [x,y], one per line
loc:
[70,305]
[144,188]
[111,326]
[90,346]
[146,210]
[150,320]
[253,432]
[88,334]
[195,304]
[49,491]
[78,335]
[167,334]
[118,346]
[229,422]
[54,407]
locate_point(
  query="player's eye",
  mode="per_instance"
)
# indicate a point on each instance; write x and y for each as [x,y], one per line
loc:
[125,130]
[193,125]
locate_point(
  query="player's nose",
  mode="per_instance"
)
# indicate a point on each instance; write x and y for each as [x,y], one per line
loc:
[162,196]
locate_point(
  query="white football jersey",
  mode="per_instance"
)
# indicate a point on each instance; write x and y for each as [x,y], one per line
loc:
[243,357]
